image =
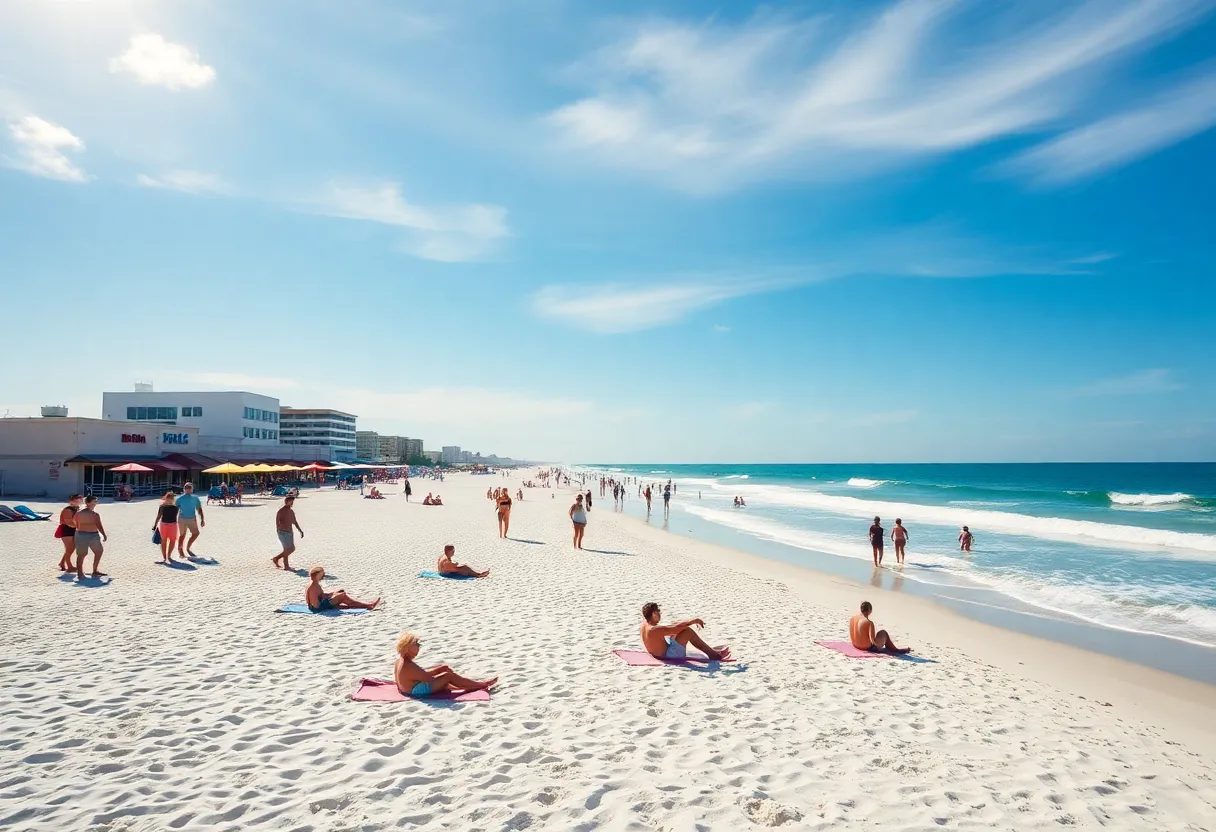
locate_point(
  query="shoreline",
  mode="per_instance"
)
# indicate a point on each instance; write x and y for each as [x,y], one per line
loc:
[1174,700]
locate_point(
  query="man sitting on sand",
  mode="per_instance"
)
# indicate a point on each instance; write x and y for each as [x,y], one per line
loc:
[448,566]
[319,600]
[863,637]
[415,681]
[670,641]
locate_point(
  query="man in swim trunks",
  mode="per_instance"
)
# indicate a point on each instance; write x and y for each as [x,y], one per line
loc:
[670,641]
[415,681]
[284,519]
[187,506]
[877,536]
[863,637]
[319,600]
[899,536]
[90,534]
[965,539]
[448,566]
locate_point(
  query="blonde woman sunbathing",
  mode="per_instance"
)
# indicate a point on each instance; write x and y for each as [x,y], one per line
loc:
[413,680]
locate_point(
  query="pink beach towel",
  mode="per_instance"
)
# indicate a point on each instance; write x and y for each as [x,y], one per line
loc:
[849,650]
[640,658]
[384,690]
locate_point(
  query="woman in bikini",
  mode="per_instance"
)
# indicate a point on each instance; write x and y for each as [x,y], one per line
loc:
[67,531]
[413,680]
[504,512]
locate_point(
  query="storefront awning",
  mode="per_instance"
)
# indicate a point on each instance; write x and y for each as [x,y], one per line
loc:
[108,459]
[162,466]
[194,462]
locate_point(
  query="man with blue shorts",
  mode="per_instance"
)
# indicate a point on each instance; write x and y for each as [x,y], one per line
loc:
[670,641]
[189,518]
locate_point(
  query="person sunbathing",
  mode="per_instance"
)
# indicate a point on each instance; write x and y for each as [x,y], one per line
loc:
[438,501]
[413,680]
[319,600]
[375,495]
[429,500]
[670,641]
[448,566]
[863,637]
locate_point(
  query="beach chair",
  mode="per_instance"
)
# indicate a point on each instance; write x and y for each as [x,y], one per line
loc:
[9,514]
[31,514]
[279,491]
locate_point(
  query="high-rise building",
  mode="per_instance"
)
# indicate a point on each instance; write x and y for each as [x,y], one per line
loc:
[450,455]
[413,449]
[236,420]
[392,449]
[319,427]
[367,444]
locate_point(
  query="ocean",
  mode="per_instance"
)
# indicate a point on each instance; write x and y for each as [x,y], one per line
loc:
[1129,548]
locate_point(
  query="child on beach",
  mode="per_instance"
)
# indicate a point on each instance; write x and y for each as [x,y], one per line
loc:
[319,600]
[415,681]
[965,539]
[284,519]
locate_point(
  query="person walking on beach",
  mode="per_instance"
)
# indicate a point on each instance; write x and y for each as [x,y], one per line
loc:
[667,500]
[877,536]
[863,637]
[578,516]
[319,600]
[284,519]
[67,531]
[408,491]
[504,512]
[647,495]
[188,505]
[670,641]
[165,525]
[414,681]
[899,536]
[90,535]
[588,499]
[447,565]
[965,539]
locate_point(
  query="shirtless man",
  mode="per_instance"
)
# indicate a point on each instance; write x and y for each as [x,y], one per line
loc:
[877,534]
[319,600]
[284,519]
[448,566]
[90,533]
[413,680]
[899,536]
[965,539]
[670,641]
[863,637]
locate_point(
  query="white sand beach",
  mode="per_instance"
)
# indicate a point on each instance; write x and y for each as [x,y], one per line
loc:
[174,698]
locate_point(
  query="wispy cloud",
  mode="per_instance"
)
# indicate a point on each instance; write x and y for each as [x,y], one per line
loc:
[154,61]
[187,181]
[721,328]
[449,234]
[1144,382]
[238,381]
[1088,151]
[42,149]
[708,106]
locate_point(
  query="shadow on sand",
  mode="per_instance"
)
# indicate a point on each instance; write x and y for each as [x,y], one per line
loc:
[176,564]
[87,581]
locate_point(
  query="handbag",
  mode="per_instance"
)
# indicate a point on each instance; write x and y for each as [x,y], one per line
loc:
[59,531]
[156,536]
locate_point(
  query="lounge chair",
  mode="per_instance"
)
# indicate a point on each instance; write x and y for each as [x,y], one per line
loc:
[9,514]
[33,515]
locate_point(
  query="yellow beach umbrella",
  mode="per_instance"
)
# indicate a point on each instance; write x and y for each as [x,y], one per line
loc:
[225,468]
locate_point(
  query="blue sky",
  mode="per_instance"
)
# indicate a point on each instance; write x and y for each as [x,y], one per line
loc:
[823,231]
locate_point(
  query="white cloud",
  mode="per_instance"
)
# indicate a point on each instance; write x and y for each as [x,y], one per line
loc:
[238,381]
[41,148]
[1144,382]
[454,408]
[1122,138]
[449,234]
[188,181]
[721,328]
[614,308]
[154,61]
[712,105]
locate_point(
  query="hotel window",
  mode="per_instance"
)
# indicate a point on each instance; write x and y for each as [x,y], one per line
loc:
[132,413]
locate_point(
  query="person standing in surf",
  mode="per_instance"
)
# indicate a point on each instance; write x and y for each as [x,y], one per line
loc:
[877,536]
[965,539]
[899,536]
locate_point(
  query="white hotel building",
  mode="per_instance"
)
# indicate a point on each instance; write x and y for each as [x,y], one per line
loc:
[229,423]
[319,428]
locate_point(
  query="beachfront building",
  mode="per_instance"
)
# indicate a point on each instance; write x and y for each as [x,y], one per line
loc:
[434,456]
[248,420]
[413,449]
[57,455]
[450,455]
[392,449]
[319,428]
[367,445]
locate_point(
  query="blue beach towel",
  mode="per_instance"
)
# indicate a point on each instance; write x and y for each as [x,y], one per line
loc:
[304,609]
[447,577]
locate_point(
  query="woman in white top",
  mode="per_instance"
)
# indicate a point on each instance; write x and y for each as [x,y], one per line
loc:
[578,516]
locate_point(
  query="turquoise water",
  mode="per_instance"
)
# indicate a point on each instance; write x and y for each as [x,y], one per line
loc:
[1128,547]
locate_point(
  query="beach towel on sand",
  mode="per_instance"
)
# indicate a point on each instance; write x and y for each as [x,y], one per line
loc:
[640,658]
[449,577]
[304,609]
[852,652]
[383,690]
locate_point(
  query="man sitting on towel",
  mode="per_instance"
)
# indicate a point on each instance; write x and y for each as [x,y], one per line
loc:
[670,641]
[448,566]
[861,633]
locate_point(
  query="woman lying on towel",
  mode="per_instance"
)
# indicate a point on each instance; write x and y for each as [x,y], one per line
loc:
[413,680]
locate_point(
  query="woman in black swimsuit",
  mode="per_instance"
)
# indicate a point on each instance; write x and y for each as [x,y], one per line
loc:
[67,532]
[504,512]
